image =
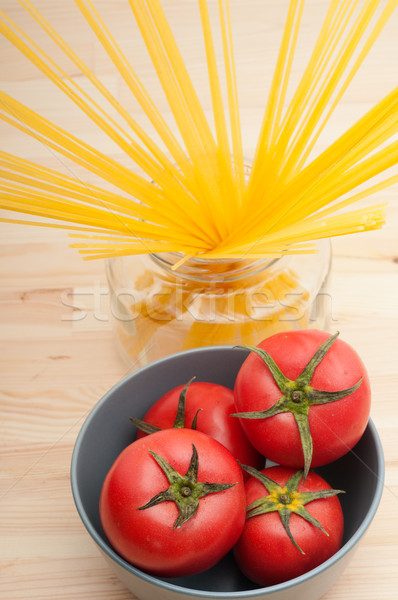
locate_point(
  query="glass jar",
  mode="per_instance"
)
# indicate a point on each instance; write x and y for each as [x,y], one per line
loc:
[157,311]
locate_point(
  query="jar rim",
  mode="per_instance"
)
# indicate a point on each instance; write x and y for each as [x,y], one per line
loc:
[200,269]
[232,271]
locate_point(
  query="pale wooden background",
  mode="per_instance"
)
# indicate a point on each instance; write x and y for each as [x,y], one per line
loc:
[57,354]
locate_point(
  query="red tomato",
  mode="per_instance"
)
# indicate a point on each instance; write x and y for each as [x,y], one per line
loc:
[215,404]
[176,537]
[265,553]
[304,394]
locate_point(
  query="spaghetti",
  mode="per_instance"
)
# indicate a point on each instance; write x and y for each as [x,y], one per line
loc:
[193,196]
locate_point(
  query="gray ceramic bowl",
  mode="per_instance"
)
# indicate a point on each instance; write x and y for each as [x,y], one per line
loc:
[108,430]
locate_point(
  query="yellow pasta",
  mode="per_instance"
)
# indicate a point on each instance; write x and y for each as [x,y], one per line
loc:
[195,195]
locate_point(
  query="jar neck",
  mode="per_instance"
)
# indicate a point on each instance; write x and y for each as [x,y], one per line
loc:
[211,271]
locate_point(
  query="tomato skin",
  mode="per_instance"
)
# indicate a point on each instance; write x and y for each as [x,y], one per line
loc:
[264,552]
[146,538]
[335,428]
[217,404]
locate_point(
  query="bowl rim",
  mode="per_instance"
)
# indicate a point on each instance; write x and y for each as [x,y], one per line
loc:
[172,587]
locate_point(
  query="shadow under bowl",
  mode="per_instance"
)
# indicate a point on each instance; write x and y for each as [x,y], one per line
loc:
[108,430]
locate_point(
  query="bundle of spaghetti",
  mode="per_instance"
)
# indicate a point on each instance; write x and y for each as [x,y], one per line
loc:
[194,196]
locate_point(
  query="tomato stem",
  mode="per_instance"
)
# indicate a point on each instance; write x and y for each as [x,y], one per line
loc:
[296,396]
[285,499]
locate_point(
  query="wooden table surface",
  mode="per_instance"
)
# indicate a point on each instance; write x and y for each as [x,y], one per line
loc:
[57,351]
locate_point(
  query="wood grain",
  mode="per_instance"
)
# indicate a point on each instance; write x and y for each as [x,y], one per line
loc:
[57,353]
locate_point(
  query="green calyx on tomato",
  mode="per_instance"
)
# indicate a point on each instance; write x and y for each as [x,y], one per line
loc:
[179,422]
[184,490]
[286,500]
[298,396]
